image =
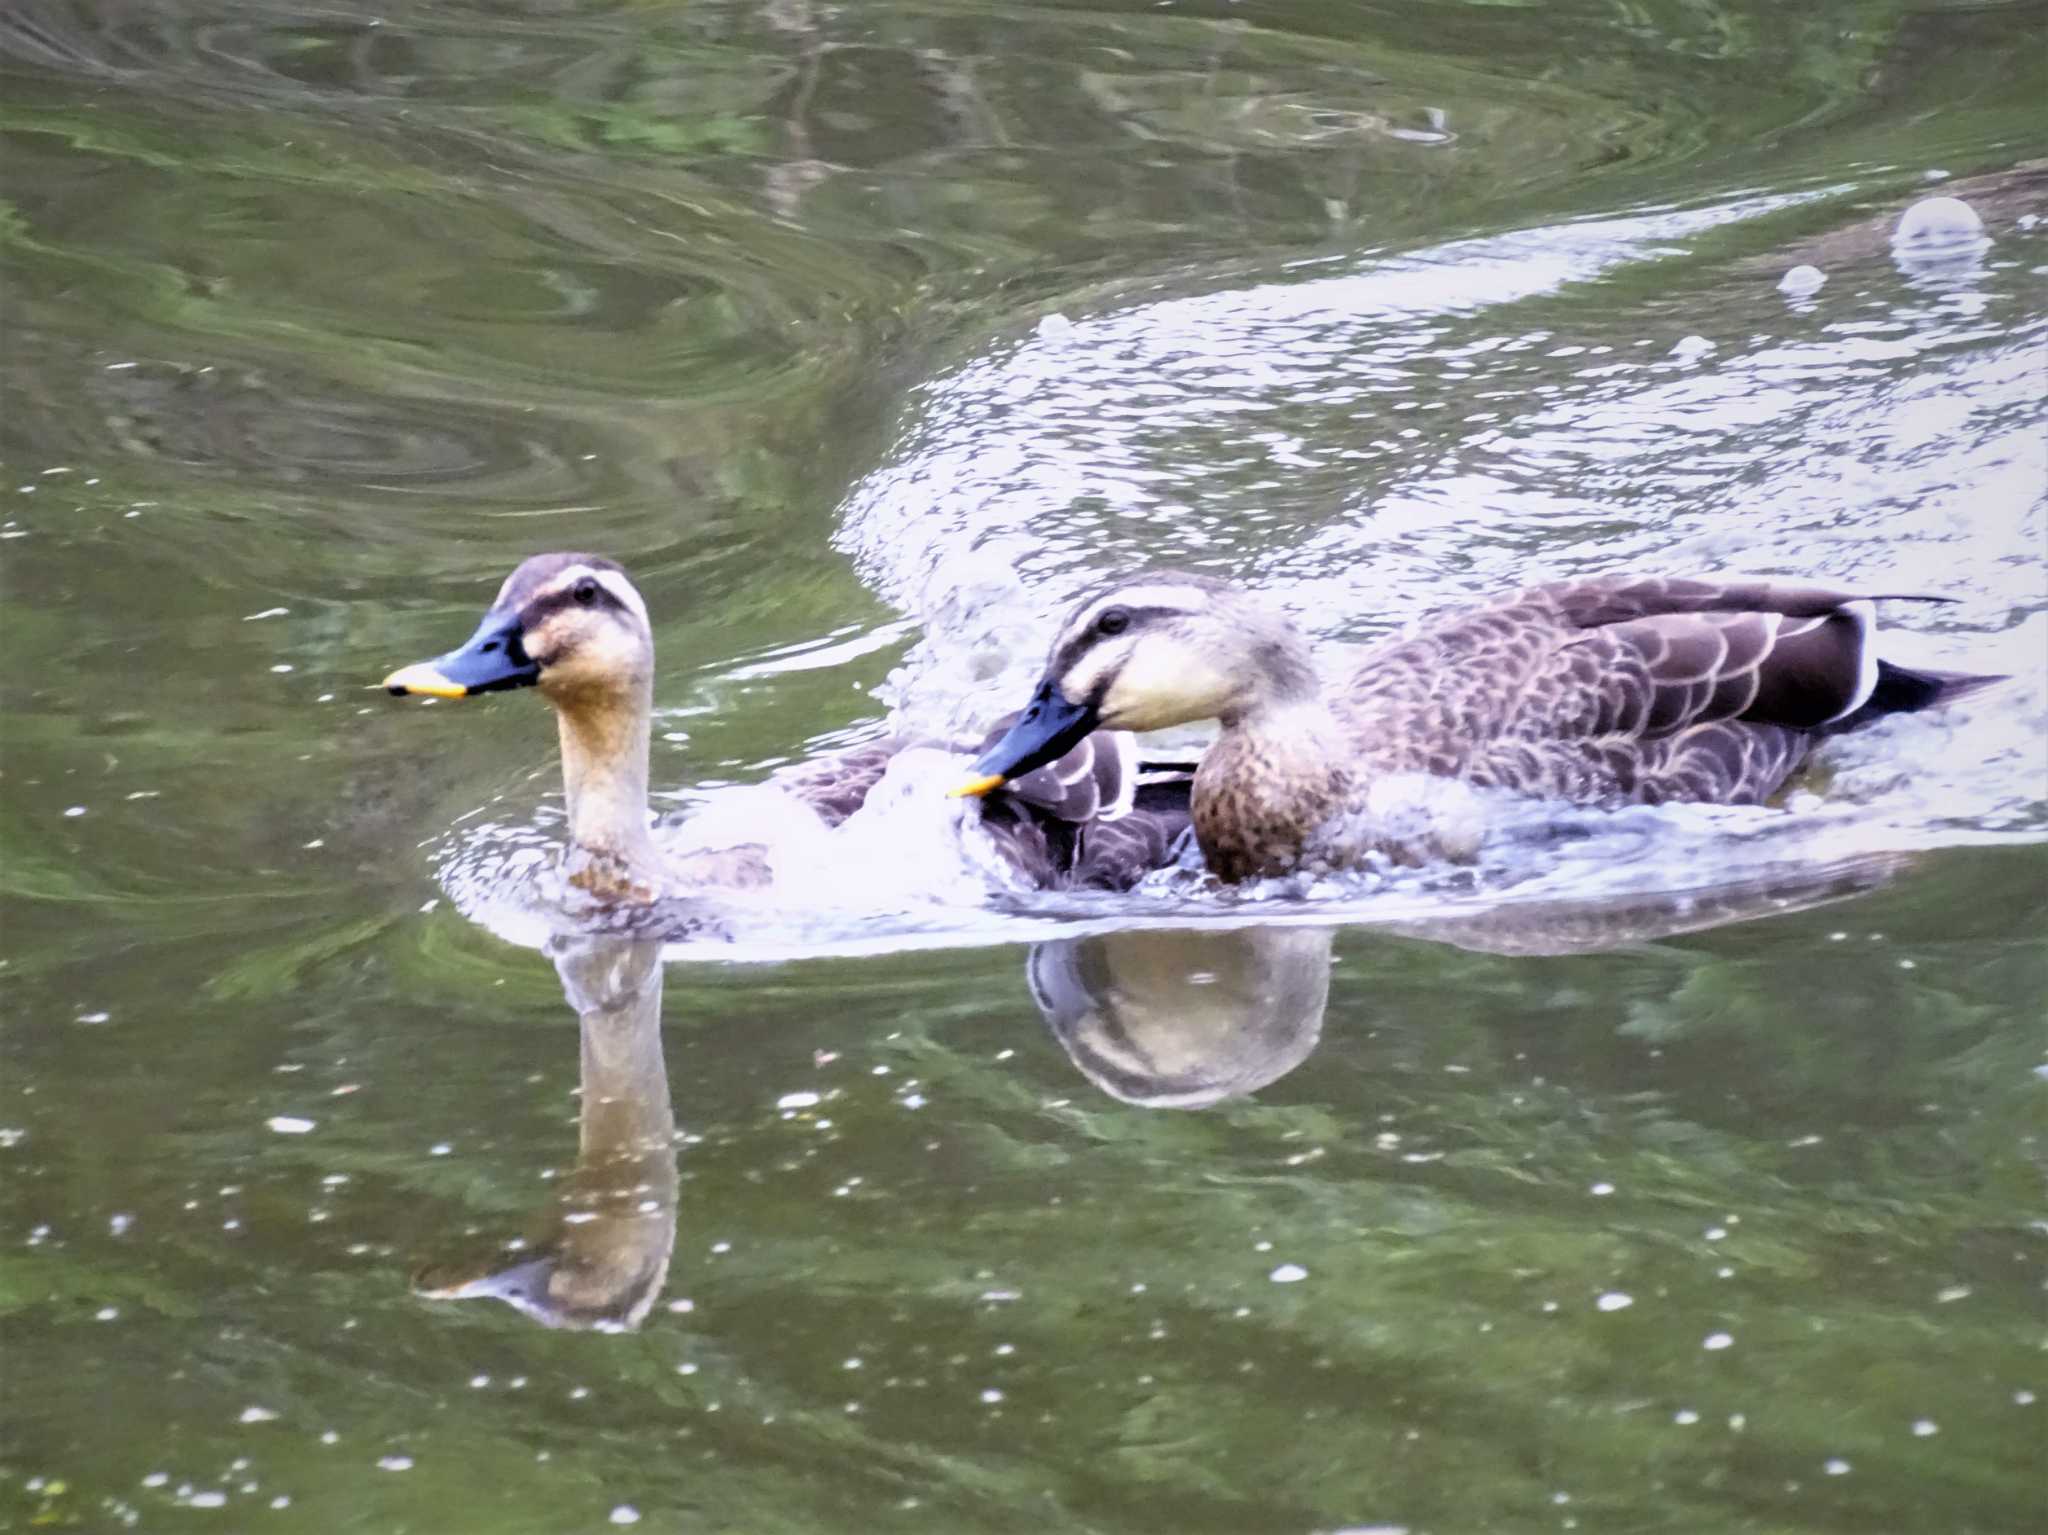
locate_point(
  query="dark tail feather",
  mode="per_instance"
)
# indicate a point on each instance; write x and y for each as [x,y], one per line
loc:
[1903,690]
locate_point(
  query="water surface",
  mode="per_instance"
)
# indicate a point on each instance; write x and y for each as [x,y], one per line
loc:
[865,336]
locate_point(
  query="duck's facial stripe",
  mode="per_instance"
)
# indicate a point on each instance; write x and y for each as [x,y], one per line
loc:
[1150,596]
[1084,635]
[613,592]
[623,592]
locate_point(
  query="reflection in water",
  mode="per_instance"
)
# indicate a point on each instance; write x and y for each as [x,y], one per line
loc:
[606,1255]
[1184,1018]
[1591,926]
[1161,1018]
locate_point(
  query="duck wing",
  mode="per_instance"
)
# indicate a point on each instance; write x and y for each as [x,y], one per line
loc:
[836,785]
[1097,780]
[1098,818]
[1115,855]
[1768,652]
[1632,687]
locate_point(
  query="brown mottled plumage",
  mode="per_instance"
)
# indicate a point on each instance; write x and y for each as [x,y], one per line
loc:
[1607,690]
[574,626]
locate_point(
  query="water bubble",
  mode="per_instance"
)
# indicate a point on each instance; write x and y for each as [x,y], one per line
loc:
[1941,238]
[1802,281]
[1938,223]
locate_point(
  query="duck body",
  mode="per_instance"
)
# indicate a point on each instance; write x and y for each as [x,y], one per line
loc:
[1097,818]
[1608,690]
[574,626]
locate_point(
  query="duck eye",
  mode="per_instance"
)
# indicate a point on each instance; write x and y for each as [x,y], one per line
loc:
[586,592]
[1113,621]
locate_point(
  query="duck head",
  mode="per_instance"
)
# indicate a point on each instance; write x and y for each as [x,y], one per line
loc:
[1147,653]
[570,624]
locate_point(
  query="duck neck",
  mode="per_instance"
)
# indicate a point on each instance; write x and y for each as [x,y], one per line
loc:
[1274,776]
[604,772]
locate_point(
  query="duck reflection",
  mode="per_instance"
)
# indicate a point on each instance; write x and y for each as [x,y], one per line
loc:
[1161,1018]
[603,1256]
[1594,926]
[1183,1018]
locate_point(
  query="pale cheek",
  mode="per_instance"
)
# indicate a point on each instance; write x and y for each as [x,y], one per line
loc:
[1081,683]
[586,661]
[569,674]
[1155,696]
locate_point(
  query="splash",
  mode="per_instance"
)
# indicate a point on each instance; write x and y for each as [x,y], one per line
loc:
[1366,444]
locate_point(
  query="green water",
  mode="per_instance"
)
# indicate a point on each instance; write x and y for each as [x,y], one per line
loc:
[318,319]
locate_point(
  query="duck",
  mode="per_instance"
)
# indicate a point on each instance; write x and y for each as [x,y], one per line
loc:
[574,627]
[1609,689]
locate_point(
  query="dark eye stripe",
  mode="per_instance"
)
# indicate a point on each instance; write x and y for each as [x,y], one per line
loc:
[1072,650]
[542,607]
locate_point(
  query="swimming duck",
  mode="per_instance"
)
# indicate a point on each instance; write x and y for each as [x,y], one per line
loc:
[1611,689]
[574,626]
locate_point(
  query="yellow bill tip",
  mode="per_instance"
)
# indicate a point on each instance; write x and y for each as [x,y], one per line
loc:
[423,679]
[974,788]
